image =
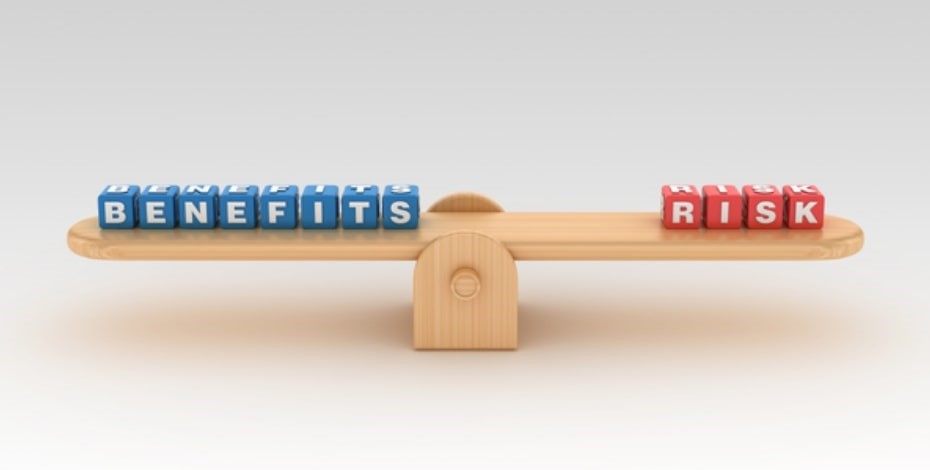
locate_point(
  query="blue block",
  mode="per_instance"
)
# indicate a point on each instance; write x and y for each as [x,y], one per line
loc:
[319,206]
[239,206]
[360,206]
[400,206]
[279,206]
[197,206]
[158,206]
[117,206]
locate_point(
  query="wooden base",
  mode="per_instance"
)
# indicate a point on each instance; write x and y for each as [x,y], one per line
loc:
[465,286]
[465,294]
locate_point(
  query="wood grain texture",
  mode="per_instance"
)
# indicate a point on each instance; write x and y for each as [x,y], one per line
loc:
[528,236]
[465,294]
[466,202]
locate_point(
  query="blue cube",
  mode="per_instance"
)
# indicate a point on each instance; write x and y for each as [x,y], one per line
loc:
[279,206]
[360,206]
[239,206]
[197,206]
[400,206]
[158,206]
[319,206]
[117,206]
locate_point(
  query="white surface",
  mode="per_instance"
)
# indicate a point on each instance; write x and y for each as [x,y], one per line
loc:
[543,107]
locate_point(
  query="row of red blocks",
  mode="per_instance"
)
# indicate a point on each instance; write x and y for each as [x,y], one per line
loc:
[759,206]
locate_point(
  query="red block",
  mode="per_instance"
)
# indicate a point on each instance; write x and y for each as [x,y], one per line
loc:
[723,206]
[804,206]
[765,208]
[681,206]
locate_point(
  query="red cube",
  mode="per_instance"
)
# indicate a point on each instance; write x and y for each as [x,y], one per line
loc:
[804,206]
[765,207]
[723,206]
[681,206]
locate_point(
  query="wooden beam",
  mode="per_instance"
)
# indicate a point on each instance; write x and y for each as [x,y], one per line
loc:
[528,236]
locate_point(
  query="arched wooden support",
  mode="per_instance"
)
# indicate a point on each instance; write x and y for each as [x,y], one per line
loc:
[465,286]
[466,202]
[465,294]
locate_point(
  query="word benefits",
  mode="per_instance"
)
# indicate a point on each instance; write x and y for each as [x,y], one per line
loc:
[242,207]
[760,206]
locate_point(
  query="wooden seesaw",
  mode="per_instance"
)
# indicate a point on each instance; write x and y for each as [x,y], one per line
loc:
[465,279]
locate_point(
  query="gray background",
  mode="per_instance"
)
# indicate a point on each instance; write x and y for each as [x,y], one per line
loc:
[544,106]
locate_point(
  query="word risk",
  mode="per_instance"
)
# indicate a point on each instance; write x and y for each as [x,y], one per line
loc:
[760,206]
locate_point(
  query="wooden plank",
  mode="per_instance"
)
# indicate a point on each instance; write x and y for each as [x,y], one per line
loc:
[528,236]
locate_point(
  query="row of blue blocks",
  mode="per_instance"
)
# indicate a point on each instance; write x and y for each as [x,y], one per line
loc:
[241,207]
